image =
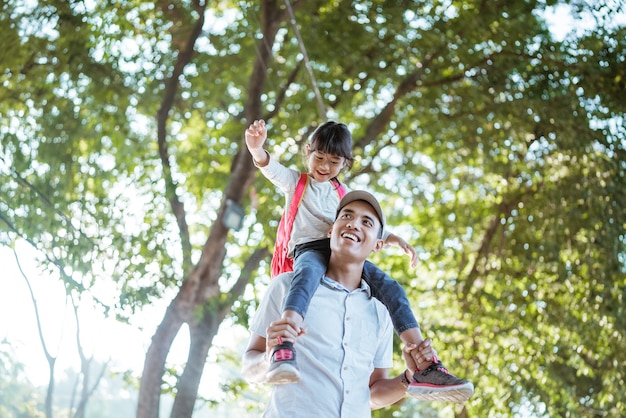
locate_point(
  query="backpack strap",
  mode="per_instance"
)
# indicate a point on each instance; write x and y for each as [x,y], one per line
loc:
[281,263]
[295,202]
[341,191]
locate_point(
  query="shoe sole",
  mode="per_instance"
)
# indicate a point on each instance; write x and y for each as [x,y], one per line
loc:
[456,394]
[283,374]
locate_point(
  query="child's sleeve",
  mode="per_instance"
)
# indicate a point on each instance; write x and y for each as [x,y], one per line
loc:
[282,177]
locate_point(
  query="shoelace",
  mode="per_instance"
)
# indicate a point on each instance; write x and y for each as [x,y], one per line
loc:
[283,354]
[440,367]
[443,369]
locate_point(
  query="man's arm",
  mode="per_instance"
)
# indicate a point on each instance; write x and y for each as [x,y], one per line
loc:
[255,361]
[255,364]
[385,391]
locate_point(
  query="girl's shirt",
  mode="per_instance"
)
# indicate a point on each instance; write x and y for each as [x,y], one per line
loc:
[318,208]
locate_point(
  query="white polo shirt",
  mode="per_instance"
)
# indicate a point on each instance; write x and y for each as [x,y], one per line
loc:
[348,335]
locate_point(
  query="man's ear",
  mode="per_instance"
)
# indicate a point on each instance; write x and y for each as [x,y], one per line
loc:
[380,243]
[330,231]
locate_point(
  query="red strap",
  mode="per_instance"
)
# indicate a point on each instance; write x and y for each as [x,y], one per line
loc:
[281,263]
[339,187]
[295,203]
[297,199]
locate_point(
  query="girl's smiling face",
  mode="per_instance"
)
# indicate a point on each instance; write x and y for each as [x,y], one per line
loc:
[322,166]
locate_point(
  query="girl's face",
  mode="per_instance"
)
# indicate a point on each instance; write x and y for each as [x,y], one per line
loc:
[322,166]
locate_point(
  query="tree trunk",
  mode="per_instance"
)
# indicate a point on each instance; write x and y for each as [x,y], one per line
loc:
[154,365]
[202,283]
[84,393]
[202,336]
[50,391]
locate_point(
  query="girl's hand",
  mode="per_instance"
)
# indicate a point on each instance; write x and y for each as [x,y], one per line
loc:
[393,239]
[256,134]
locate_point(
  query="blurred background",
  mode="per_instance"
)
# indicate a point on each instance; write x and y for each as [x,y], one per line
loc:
[135,233]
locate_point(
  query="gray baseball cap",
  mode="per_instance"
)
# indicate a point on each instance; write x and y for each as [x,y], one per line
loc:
[367,197]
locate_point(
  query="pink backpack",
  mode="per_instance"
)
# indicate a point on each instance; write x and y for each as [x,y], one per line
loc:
[281,263]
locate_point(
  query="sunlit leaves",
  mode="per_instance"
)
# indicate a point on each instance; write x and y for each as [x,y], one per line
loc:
[498,150]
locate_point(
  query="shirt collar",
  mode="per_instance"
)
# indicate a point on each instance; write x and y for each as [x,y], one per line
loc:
[335,285]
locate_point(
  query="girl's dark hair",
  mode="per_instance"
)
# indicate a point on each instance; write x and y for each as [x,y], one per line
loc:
[333,138]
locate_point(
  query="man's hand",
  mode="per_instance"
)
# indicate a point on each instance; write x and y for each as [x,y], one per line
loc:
[281,330]
[418,354]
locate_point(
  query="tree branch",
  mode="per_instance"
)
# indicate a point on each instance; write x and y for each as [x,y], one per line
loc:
[171,88]
[251,264]
[320,101]
[51,360]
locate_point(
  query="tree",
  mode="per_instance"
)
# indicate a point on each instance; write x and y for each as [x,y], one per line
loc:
[50,358]
[18,398]
[498,149]
[83,380]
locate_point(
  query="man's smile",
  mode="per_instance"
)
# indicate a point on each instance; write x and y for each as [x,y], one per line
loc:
[350,236]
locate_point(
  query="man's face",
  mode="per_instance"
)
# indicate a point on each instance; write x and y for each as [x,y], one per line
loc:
[355,231]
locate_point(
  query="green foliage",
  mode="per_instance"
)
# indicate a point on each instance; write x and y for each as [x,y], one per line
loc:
[498,150]
[18,397]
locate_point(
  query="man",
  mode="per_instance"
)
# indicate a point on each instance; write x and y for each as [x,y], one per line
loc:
[347,347]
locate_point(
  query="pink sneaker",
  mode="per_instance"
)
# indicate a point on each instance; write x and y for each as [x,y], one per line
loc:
[283,368]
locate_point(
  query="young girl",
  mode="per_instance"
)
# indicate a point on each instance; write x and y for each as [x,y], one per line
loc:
[327,154]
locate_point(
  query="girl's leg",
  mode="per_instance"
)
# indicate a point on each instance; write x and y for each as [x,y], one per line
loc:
[393,296]
[310,263]
[431,380]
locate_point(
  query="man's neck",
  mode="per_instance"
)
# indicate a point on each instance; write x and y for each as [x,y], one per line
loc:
[346,274]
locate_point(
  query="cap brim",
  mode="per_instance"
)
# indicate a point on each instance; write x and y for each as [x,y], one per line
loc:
[366,197]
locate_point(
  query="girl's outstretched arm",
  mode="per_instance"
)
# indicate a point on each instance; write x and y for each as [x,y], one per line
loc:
[256,135]
[393,239]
